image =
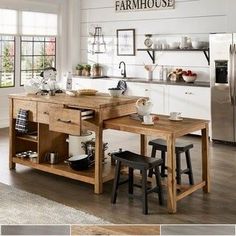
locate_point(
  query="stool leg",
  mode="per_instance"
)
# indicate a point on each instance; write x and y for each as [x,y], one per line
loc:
[144,191]
[131,180]
[153,154]
[178,168]
[116,182]
[158,183]
[189,166]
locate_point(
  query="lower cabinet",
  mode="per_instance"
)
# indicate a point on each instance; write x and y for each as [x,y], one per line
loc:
[193,102]
[155,92]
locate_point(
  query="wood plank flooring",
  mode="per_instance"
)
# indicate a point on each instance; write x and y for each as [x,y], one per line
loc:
[217,207]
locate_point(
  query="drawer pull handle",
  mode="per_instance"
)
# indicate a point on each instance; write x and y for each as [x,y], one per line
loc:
[46,113]
[64,121]
[189,93]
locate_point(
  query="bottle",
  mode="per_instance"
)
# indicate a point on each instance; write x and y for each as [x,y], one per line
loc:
[161,73]
[69,81]
[165,73]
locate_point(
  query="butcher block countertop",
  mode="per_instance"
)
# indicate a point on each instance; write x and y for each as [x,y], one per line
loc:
[100,100]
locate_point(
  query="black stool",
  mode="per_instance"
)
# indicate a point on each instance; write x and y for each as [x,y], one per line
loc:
[160,145]
[142,163]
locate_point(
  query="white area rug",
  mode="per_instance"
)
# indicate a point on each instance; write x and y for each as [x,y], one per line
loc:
[20,207]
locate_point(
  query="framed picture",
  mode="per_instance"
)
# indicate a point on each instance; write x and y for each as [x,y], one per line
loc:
[125,42]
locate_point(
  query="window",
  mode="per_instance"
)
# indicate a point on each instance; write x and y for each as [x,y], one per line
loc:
[37,53]
[7,61]
[29,39]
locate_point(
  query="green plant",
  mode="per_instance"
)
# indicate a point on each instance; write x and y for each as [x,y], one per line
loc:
[96,66]
[87,67]
[79,67]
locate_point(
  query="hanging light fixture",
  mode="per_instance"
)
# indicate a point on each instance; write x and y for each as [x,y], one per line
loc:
[98,44]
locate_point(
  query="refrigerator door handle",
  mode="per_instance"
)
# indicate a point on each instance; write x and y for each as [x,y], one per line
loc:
[231,53]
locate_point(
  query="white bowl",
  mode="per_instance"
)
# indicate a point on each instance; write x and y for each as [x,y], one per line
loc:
[174,45]
[189,79]
[115,92]
[197,44]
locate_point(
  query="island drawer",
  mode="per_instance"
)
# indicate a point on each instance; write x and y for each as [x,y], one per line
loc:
[65,120]
[31,106]
[44,110]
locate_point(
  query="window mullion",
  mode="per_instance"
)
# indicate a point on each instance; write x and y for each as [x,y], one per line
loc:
[18,62]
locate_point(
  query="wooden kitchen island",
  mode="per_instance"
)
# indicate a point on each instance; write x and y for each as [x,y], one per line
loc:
[53,118]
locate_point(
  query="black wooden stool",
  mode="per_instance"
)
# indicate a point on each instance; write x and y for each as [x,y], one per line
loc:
[160,145]
[142,163]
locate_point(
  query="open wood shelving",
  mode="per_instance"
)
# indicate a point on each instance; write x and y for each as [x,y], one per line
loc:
[151,52]
[65,170]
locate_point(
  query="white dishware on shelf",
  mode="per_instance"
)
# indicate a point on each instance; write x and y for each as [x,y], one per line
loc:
[174,45]
[198,44]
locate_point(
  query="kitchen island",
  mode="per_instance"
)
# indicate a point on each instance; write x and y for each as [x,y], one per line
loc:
[52,119]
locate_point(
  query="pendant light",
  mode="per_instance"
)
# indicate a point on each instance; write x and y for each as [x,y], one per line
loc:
[98,44]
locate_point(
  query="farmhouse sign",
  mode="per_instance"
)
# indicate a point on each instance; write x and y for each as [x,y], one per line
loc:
[135,5]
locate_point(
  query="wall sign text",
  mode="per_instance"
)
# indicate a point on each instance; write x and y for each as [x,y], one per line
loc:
[135,5]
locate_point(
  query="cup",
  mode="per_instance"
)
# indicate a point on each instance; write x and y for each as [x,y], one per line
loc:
[52,157]
[147,119]
[175,115]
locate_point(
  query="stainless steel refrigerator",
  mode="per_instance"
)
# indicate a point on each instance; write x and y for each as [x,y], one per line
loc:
[223,86]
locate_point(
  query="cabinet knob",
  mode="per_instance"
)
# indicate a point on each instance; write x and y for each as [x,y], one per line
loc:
[146,90]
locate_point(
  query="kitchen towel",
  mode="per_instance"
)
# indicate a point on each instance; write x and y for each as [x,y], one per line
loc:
[22,121]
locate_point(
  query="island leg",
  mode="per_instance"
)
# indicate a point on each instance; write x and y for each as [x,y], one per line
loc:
[12,135]
[171,180]
[98,185]
[205,160]
[143,144]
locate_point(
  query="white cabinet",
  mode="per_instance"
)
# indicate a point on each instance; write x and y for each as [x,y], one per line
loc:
[193,102]
[155,92]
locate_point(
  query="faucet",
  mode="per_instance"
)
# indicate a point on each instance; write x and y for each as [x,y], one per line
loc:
[123,72]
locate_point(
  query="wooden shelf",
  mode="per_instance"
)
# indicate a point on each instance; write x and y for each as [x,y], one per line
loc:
[151,52]
[27,139]
[63,169]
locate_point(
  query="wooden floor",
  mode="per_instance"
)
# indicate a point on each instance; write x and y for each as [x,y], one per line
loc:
[217,207]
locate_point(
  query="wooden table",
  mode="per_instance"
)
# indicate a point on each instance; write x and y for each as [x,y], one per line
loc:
[170,131]
[53,118]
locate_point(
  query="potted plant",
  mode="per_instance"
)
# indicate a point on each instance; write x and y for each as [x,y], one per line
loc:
[97,69]
[79,69]
[87,70]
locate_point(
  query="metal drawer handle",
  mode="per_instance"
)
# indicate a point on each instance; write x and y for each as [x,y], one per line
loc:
[64,121]
[189,93]
[46,113]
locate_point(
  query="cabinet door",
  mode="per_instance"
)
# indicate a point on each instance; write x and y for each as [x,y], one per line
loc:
[157,96]
[193,102]
[155,92]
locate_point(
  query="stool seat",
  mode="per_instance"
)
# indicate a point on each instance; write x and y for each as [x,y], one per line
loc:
[160,144]
[180,147]
[136,161]
[142,163]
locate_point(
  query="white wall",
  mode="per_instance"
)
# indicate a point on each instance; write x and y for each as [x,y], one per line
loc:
[192,18]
